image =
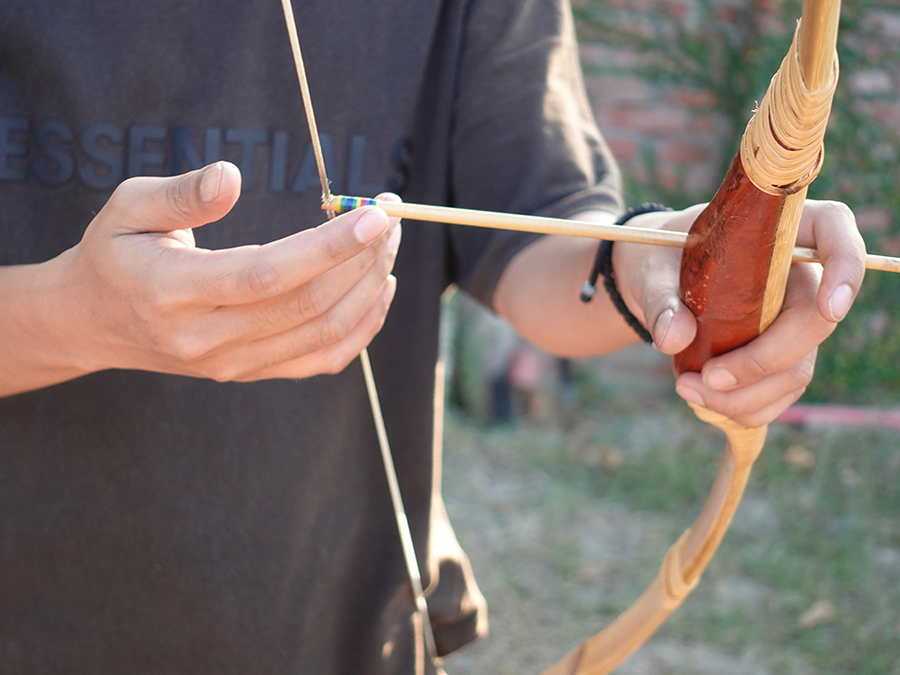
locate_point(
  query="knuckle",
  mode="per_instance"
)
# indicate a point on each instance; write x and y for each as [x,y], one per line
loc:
[162,300]
[731,411]
[125,192]
[179,197]
[830,211]
[186,348]
[226,369]
[753,421]
[338,363]
[804,371]
[840,209]
[157,306]
[758,366]
[330,330]
[331,248]
[224,373]
[263,280]
[311,302]
[807,369]
[120,195]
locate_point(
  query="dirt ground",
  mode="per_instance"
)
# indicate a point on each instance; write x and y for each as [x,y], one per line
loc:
[541,561]
[534,608]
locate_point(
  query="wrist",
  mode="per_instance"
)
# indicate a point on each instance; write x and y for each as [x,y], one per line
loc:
[38,327]
[629,309]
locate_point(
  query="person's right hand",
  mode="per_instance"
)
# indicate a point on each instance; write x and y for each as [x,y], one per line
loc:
[137,293]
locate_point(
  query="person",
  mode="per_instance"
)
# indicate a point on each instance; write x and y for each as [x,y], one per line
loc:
[189,475]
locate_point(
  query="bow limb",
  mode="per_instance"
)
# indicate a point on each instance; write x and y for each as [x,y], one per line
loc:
[681,568]
[735,296]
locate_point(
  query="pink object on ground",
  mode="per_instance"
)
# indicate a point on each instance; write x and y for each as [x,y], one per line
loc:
[842,416]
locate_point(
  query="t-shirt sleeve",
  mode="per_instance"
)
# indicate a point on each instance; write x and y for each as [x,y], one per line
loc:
[524,138]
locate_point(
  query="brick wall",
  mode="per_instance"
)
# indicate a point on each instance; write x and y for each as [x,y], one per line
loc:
[667,131]
[670,136]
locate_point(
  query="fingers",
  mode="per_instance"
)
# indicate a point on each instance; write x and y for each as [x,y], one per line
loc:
[323,346]
[335,357]
[772,371]
[191,276]
[831,228]
[254,273]
[151,204]
[755,383]
[359,278]
[328,326]
[153,301]
[752,406]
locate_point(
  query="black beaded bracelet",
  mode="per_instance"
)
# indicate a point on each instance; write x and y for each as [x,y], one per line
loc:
[603,266]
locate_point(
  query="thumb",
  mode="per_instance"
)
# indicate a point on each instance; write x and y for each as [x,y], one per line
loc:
[651,292]
[156,204]
[672,325]
[649,279]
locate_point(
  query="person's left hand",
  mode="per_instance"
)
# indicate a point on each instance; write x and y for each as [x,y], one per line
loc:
[754,384]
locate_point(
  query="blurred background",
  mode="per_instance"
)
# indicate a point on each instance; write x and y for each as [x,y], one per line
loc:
[567,481]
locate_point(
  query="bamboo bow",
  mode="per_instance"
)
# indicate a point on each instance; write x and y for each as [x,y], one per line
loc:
[735,296]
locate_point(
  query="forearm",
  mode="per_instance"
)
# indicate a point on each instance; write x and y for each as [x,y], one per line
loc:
[539,295]
[38,343]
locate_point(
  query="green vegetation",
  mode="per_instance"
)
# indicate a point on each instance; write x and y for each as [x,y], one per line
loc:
[731,51]
[578,536]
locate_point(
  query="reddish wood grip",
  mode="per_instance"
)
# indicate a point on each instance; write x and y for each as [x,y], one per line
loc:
[725,267]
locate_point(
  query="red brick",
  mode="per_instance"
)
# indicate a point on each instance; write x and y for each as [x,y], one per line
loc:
[704,124]
[890,246]
[677,9]
[885,113]
[727,14]
[609,89]
[766,5]
[702,180]
[657,120]
[873,219]
[667,179]
[682,152]
[692,98]
[623,149]
[632,6]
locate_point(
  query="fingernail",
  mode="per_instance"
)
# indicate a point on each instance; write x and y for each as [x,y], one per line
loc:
[662,326]
[209,184]
[690,395]
[394,241]
[719,379]
[840,301]
[369,227]
[391,288]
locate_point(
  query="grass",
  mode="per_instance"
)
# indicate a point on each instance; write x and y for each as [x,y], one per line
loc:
[573,526]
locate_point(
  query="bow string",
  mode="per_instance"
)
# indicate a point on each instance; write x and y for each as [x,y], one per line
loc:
[402,522]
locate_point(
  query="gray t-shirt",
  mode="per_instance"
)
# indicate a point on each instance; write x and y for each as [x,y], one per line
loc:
[161,524]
